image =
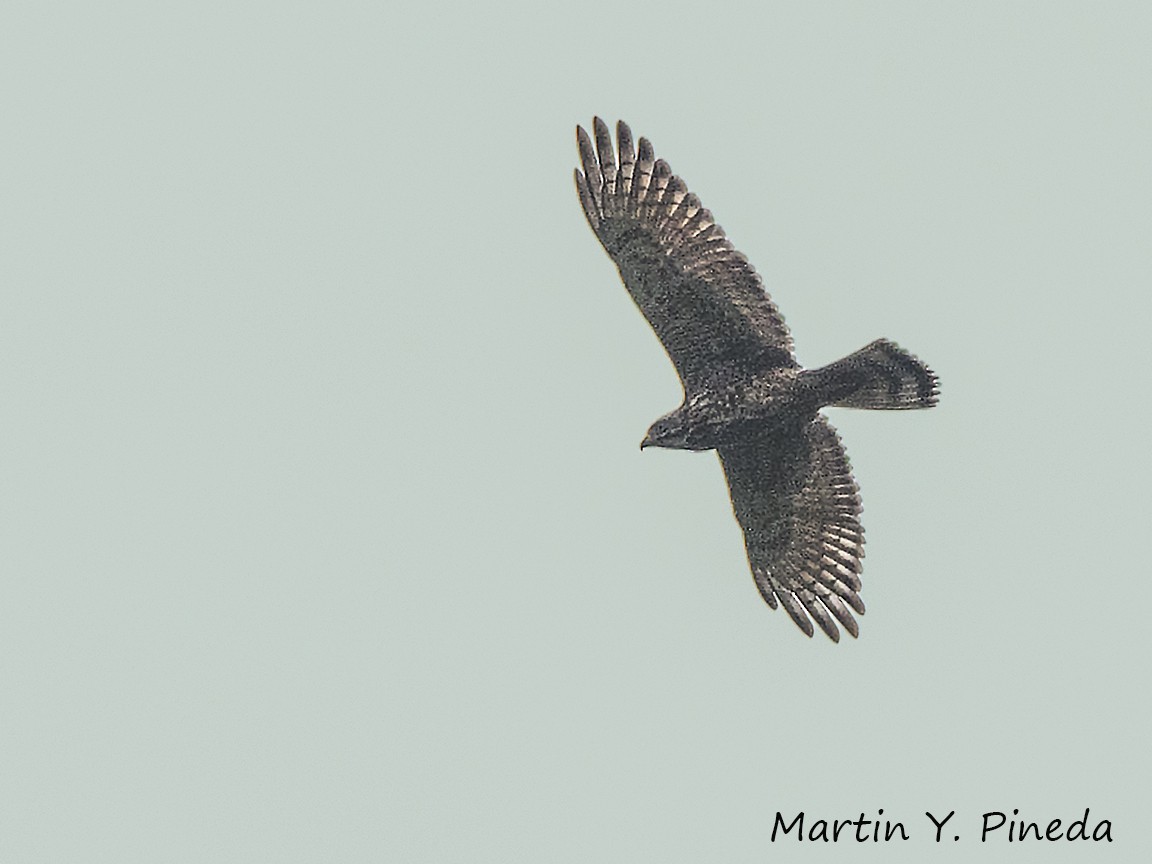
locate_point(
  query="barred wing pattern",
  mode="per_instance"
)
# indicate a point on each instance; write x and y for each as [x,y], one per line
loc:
[799,506]
[702,297]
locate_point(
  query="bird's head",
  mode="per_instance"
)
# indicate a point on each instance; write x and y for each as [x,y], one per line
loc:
[670,431]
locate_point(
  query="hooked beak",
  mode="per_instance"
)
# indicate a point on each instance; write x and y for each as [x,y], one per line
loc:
[647,442]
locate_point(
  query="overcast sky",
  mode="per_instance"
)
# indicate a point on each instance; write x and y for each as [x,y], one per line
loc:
[324,530]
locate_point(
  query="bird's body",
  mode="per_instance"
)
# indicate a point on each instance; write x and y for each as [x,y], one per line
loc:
[744,393]
[732,410]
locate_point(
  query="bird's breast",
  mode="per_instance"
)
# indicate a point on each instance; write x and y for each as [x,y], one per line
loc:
[745,412]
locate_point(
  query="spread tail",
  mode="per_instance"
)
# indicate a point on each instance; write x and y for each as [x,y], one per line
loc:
[881,375]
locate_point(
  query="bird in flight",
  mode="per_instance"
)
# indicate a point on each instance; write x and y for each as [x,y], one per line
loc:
[745,396]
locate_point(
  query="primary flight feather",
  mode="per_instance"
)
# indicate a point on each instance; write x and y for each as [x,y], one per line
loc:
[744,393]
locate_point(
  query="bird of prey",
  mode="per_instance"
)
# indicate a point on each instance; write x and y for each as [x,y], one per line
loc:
[745,395]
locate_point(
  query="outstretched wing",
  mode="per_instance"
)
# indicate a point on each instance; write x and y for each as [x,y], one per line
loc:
[796,499]
[702,297]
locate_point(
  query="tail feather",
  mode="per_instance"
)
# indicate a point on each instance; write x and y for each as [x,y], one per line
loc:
[881,376]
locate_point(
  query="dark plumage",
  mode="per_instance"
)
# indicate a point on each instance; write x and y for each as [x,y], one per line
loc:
[744,393]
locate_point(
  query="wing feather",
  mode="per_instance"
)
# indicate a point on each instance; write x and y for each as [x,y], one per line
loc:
[594,180]
[627,161]
[607,155]
[705,301]
[798,504]
[642,173]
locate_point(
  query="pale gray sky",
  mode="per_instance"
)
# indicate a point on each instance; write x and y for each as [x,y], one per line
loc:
[324,528]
